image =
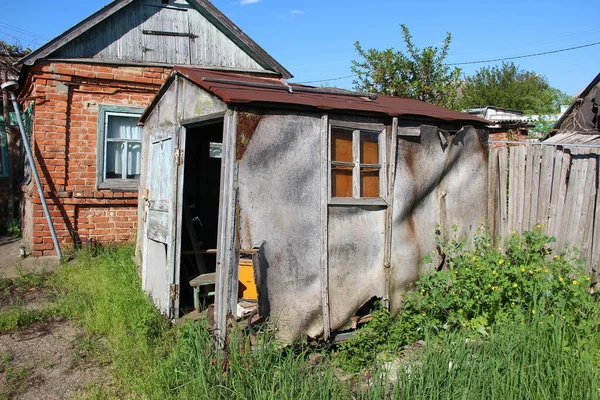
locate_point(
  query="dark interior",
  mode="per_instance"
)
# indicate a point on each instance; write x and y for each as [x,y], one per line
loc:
[200,213]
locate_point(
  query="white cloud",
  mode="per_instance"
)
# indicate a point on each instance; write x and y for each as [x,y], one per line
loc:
[244,2]
[293,13]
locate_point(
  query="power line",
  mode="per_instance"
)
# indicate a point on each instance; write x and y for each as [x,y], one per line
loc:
[527,55]
[479,62]
[23,31]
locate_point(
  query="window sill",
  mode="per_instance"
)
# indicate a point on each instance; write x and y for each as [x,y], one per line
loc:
[119,185]
[350,201]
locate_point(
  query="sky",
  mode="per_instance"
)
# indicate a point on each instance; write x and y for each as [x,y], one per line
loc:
[314,39]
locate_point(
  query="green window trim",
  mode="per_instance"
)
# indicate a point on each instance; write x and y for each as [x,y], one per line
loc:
[104,114]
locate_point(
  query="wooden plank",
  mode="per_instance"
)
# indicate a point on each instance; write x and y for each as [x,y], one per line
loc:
[570,204]
[528,185]
[554,191]
[589,191]
[521,162]
[204,279]
[596,229]
[578,206]
[503,193]
[512,189]
[560,186]
[389,214]
[545,186]
[325,195]
[535,186]
[493,189]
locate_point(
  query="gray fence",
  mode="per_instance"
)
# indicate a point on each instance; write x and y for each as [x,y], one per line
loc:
[555,187]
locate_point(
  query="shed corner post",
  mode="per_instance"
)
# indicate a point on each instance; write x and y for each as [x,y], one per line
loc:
[227,253]
[325,173]
[389,212]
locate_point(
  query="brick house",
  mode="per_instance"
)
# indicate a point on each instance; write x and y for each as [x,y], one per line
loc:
[84,92]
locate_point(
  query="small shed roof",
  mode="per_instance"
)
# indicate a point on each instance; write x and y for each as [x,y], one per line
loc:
[257,89]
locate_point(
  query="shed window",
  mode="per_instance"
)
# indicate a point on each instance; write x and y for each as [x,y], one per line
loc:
[120,148]
[355,163]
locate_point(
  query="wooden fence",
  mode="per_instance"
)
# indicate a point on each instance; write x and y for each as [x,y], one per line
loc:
[555,187]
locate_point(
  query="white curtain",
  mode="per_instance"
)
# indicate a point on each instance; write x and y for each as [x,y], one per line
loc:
[122,131]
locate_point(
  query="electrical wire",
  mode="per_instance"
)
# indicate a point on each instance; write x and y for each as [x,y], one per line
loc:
[477,62]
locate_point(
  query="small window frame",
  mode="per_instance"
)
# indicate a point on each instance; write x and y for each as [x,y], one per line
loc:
[356,129]
[104,114]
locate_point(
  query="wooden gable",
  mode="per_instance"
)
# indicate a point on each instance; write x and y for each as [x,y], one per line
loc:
[171,32]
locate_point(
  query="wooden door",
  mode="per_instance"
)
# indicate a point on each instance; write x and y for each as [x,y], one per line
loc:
[159,272]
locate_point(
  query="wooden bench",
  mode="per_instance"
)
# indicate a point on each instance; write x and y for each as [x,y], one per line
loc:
[198,282]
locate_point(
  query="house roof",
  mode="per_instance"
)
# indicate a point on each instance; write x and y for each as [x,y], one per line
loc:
[254,89]
[577,102]
[204,7]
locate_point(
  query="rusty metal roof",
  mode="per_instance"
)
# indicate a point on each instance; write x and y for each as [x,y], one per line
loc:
[239,88]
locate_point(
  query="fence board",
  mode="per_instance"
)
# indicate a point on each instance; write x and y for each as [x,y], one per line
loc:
[519,206]
[560,183]
[596,230]
[512,189]
[535,187]
[545,188]
[503,193]
[493,188]
[557,187]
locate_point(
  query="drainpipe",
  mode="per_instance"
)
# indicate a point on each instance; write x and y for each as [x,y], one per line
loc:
[11,86]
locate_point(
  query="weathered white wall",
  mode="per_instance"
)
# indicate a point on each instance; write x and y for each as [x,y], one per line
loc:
[279,200]
[435,186]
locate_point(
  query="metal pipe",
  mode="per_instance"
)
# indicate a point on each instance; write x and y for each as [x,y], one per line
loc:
[593,146]
[9,86]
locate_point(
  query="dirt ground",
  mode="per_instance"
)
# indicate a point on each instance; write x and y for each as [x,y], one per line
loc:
[46,360]
[50,359]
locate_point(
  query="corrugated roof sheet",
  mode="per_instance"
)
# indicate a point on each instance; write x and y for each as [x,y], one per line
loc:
[237,91]
[575,138]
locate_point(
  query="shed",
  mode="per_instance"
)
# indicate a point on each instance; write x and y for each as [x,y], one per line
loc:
[335,195]
[84,92]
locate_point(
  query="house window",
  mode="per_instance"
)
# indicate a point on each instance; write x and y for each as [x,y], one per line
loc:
[356,163]
[120,148]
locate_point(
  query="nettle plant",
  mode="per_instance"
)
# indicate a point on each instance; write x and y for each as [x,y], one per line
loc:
[481,287]
[484,285]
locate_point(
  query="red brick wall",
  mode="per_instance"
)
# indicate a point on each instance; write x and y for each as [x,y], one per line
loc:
[68,96]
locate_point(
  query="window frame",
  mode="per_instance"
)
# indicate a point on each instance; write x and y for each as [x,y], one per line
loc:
[104,114]
[356,128]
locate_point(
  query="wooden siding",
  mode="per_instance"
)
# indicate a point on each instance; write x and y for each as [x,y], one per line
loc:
[553,189]
[147,31]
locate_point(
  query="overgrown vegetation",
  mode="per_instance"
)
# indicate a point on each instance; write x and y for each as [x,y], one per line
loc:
[498,323]
[522,300]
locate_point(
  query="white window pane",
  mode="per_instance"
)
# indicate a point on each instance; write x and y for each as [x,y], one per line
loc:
[134,160]
[114,157]
[121,127]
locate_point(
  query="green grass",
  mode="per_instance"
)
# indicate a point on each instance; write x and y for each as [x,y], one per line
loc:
[520,361]
[527,359]
[101,291]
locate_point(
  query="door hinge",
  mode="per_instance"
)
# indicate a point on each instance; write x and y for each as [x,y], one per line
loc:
[174,291]
[178,156]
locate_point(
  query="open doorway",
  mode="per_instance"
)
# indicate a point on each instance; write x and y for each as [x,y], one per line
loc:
[200,216]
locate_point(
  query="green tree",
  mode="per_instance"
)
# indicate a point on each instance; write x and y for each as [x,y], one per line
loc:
[508,86]
[415,73]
